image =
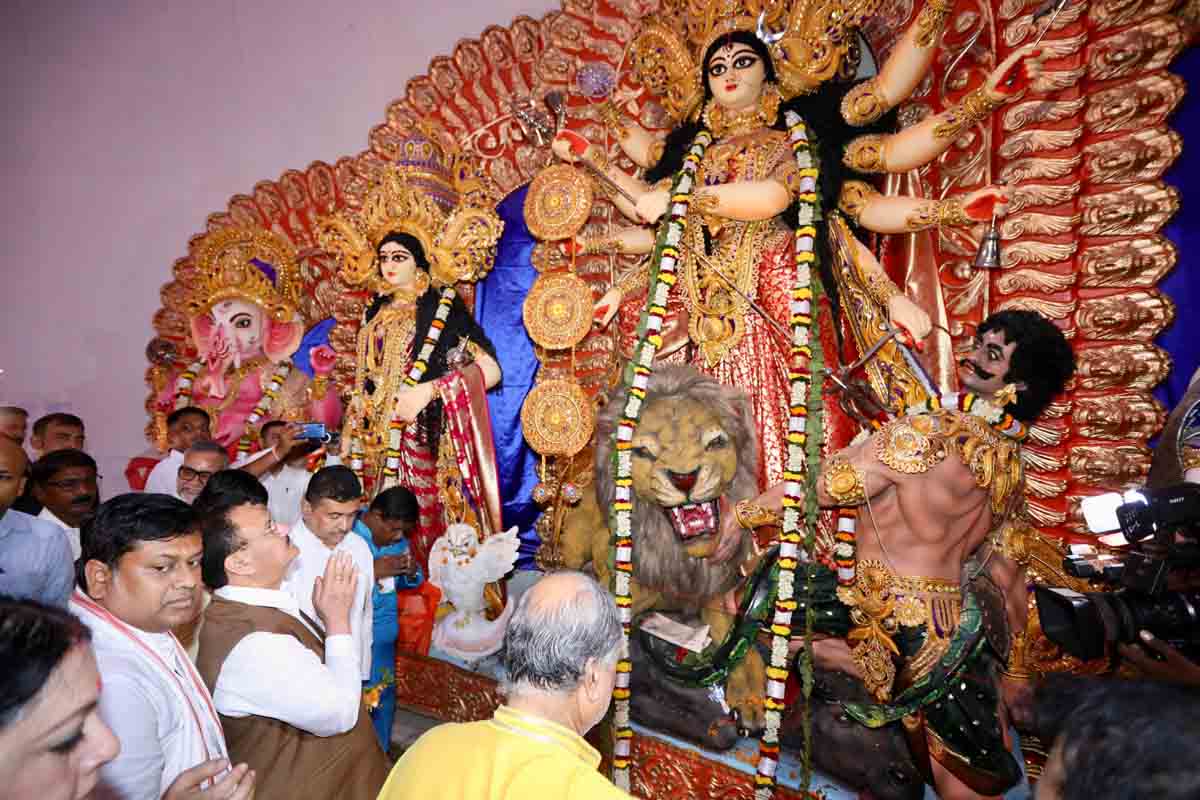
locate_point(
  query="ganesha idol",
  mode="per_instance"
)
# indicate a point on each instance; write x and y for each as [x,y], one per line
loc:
[251,358]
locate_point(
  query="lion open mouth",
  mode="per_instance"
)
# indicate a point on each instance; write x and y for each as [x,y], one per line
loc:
[693,520]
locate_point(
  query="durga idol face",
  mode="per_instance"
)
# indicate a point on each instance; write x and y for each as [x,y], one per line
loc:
[397,265]
[736,76]
[238,331]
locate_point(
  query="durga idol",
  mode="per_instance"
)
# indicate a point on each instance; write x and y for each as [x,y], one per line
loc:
[417,416]
[240,297]
[771,137]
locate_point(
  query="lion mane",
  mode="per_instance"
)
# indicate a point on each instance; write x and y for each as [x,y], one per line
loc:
[660,559]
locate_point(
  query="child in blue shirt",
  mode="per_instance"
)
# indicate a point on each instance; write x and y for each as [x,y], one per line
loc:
[392,514]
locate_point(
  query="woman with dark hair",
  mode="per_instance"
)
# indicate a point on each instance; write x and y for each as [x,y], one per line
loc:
[413,338]
[52,740]
[759,99]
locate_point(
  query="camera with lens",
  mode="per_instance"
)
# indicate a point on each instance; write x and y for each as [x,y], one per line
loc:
[1155,576]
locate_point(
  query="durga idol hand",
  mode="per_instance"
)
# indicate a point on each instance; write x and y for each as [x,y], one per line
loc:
[653,205]
[606,308]
[411,400]
[982,204]
[1015,74]
[569,146]
[904,313]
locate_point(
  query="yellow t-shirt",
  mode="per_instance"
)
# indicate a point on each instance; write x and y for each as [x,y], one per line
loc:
[512,756]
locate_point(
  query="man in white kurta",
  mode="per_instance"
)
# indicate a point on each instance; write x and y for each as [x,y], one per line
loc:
[141,580]
[328,511]
[185,427]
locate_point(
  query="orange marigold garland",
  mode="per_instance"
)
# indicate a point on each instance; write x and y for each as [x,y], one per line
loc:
[663,263]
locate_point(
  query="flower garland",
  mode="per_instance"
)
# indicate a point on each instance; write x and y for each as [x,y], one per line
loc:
[264,405]
[372,695]
[187,379]
[183,384]
[975,405]
[797,533]
[663,263]
[391,464]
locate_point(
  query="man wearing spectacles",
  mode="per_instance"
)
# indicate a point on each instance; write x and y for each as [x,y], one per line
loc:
[200,462]
[67,485]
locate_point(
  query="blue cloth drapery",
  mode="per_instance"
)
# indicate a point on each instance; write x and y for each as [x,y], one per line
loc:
[498,301]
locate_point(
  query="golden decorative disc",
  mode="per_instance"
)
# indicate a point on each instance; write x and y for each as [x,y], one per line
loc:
[558,418]
[558,203]
[558,310]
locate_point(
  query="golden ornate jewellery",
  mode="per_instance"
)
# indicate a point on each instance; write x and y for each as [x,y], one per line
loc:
[750,515]
[975,107]
[224,270]
[724,124]
[866,154]
[1189,458]
[931,21]
[864,104]
[558,418]
[854,198]
[558,310]
[907,446]
[938,213]
[844,482]
[558,203]
[548,256]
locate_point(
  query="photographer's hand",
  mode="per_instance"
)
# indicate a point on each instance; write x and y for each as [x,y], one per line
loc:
[1174,668]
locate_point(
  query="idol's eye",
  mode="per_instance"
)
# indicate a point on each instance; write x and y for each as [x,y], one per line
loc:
[717,70]
[745,61]
[643,452]
[241,321]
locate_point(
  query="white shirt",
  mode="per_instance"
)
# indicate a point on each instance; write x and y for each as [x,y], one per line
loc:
[274,675]
[164,478]
[285,489]
[310,565]
[72,533]
[155,702]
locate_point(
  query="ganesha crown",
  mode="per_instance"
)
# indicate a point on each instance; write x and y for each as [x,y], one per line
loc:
[242,263]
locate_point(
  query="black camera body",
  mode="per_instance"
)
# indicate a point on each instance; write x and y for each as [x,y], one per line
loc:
[1156,583]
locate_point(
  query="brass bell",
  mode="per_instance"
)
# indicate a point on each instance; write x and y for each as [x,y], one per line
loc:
[988,254]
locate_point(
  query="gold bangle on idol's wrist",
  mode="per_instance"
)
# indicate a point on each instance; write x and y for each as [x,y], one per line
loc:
[844,482]
[867,153]
[750,515]
[864,104]
[975,107]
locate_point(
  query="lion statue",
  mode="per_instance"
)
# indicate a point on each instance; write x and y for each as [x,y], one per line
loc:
[694,457]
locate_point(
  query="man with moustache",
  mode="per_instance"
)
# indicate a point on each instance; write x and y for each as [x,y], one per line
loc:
[35,558]
[66,484]
[185,427]
[139,577]
[201,461]
[287,687]
[933,582]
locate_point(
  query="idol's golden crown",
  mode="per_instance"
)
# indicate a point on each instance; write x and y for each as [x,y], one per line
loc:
[808,41]
[458,232]
[225,269]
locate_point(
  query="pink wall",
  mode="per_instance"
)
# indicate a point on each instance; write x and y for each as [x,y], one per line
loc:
[126,123]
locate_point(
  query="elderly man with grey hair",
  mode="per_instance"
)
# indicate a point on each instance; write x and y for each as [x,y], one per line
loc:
[560,652]
[200,462]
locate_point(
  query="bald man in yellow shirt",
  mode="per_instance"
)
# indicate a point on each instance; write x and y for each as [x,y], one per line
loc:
[560,652]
